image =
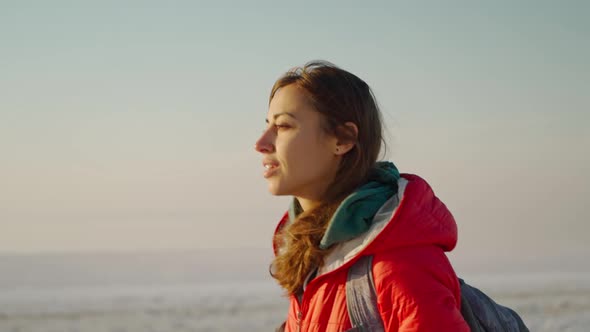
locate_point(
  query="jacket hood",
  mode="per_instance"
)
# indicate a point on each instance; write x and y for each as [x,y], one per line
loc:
[412,217]
[356,212]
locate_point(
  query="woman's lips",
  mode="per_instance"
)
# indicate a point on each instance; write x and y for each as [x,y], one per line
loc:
[270,170]
[270,167]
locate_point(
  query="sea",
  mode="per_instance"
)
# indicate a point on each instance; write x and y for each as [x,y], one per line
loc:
[219,290]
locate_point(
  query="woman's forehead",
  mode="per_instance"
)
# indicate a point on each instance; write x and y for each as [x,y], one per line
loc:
[289,100]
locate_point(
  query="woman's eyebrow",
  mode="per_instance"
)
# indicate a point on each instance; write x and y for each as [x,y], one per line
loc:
[282,113]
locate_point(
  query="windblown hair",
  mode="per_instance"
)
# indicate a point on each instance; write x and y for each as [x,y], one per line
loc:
[339,97]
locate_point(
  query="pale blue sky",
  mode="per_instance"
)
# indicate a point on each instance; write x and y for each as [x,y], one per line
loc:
[129,125]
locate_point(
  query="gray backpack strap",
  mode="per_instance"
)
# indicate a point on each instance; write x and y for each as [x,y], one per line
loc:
[361,298]
[479,311]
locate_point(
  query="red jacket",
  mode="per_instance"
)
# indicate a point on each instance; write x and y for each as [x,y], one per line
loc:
[416,286]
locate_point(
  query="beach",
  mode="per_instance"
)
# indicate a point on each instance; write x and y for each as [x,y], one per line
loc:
[167,299]
[548,305]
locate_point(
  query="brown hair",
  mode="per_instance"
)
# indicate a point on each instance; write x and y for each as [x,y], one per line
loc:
[339,97]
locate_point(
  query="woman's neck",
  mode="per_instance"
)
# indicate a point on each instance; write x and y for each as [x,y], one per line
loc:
[307,204]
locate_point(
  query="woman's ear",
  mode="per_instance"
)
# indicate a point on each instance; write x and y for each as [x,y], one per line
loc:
[349,133]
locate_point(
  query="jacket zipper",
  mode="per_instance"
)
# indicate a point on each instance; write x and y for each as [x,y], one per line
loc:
[300,298]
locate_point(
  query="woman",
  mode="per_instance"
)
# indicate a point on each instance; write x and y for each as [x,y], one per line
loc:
[321,145]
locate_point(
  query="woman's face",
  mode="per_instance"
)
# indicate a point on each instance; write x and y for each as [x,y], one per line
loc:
[299,158]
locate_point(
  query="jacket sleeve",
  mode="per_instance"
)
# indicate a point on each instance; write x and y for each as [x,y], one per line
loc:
[417,290]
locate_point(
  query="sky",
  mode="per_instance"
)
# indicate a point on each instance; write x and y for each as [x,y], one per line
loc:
[130,125]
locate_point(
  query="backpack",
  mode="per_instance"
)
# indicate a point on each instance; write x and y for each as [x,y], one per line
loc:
[480,312]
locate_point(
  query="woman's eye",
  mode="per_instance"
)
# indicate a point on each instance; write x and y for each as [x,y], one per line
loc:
[277,126]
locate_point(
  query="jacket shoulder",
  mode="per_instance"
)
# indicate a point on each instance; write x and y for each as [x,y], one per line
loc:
[417,289]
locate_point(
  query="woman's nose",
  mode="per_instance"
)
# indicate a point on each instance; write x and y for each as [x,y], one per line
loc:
[265,143]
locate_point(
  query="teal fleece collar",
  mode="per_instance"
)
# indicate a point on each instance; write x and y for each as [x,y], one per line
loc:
[355,214]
